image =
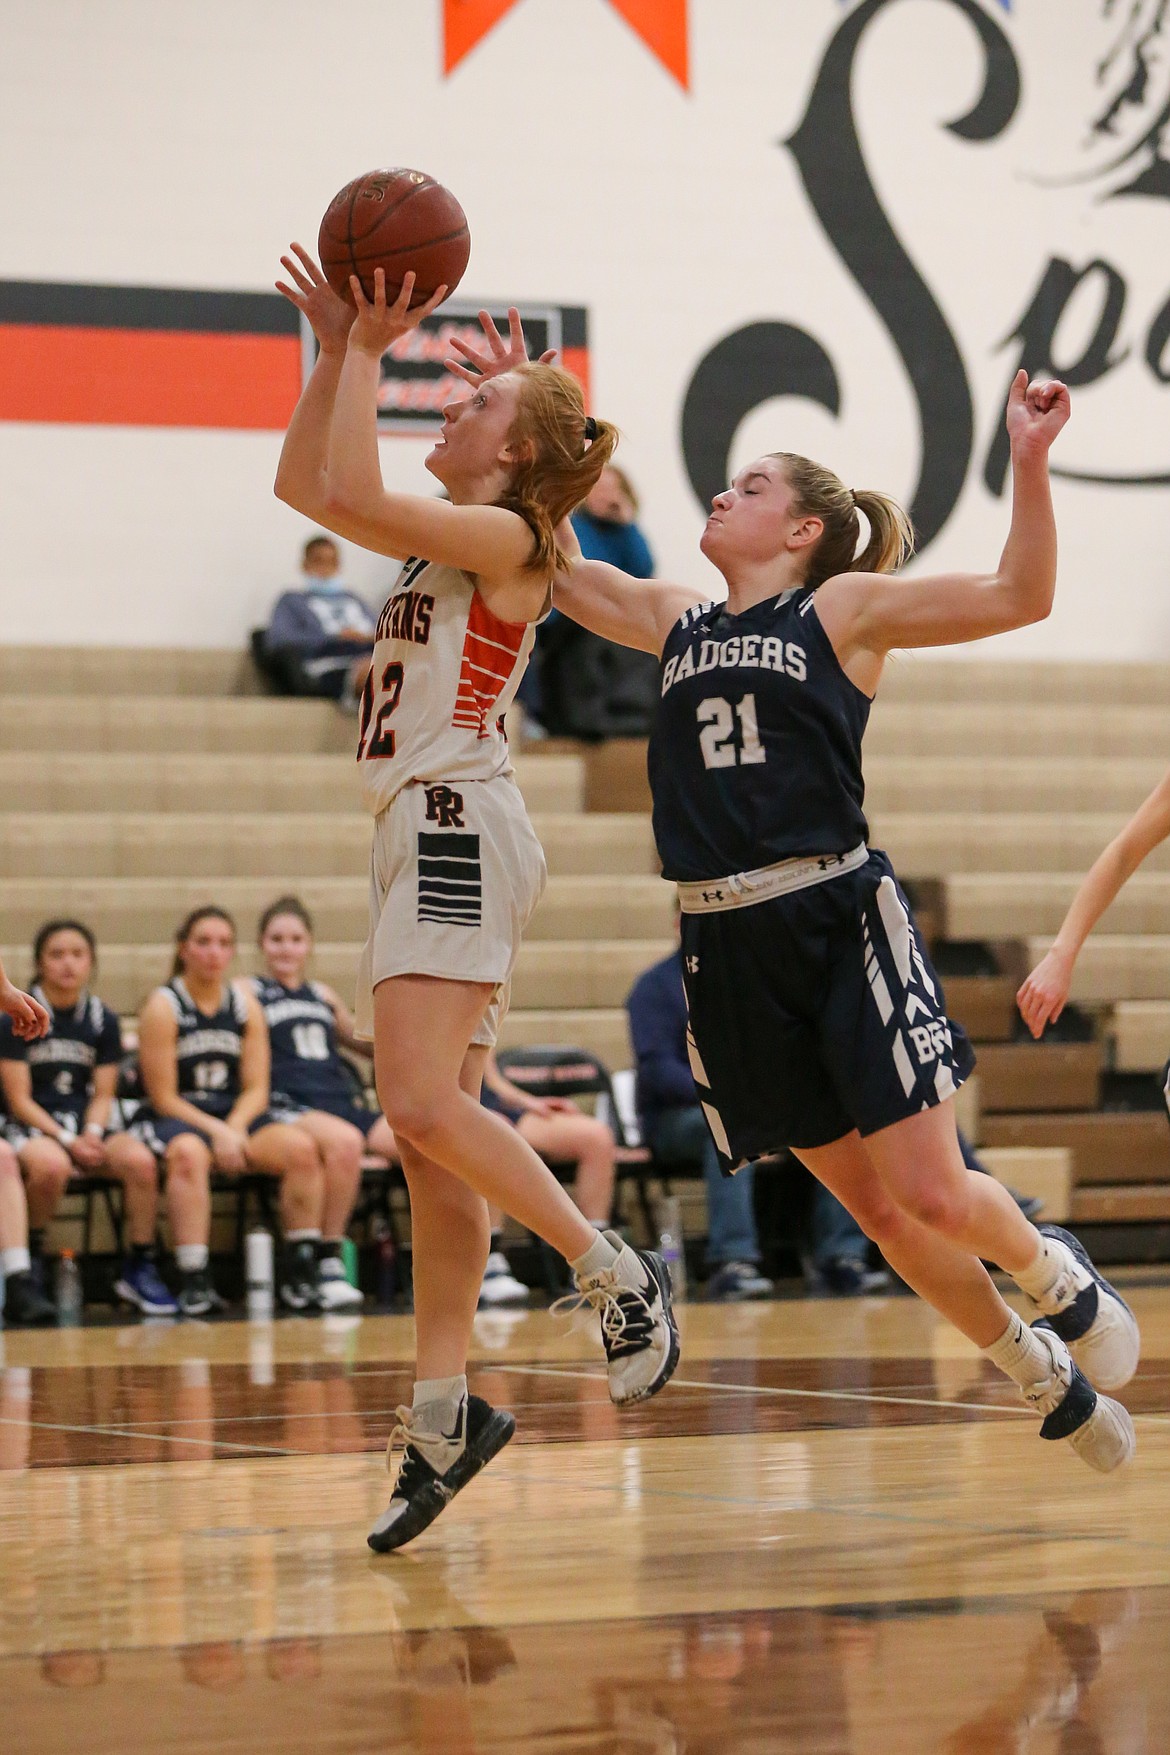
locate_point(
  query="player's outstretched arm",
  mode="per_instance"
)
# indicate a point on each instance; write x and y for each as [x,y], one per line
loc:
[630,612]
[301,473]
[1042,997]
[29,1017]
[872,612]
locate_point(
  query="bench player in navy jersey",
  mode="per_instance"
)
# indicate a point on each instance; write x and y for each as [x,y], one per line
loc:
[816,1019]
[203,1054]
[456,870]
[311,1084]
[60,1093]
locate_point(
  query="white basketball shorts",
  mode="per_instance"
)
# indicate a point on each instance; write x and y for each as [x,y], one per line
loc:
[455,874]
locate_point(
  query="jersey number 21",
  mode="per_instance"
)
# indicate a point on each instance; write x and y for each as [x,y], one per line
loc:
[717,740]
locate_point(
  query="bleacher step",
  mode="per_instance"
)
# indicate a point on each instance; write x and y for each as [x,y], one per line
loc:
[1107,1146]
[1025,1077]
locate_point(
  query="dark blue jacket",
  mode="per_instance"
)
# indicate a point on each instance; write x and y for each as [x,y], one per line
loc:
[657,1010]
[622,545]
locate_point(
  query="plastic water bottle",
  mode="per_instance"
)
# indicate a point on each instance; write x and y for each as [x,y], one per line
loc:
[69,1295]
[670,1244]
[258,1271]
[349,1259]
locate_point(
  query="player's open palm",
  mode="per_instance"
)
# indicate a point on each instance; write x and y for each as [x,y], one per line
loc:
[30,1020]
[1042,997]
[330,315]
[1036,411]
[379,324]
[498,355]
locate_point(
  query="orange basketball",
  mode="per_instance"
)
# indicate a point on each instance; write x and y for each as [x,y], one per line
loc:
[395,220]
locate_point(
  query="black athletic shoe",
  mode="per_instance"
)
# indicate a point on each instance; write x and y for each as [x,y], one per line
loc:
[197,1294]
[420,1492]
[298,1276]
[25,1305]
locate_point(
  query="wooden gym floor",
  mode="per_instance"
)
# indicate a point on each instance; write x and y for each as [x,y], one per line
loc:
[834,1534]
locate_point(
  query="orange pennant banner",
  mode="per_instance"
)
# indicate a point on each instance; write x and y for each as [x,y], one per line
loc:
[661,25]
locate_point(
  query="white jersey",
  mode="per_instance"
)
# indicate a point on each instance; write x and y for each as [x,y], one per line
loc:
[444,671]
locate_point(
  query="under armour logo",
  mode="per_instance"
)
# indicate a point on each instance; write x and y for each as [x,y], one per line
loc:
[445,807]
[692,965]
[714,896]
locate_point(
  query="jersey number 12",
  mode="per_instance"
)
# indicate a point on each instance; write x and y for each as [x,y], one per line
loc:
[381,739]
[717,739]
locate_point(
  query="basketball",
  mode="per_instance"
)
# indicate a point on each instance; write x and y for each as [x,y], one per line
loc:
[396,220]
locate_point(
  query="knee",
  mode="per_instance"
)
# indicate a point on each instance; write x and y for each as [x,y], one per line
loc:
[48,1172]
[597,1138]
[415,1117]
[188,1160]
[343,1158]
[300,1156]
[939,1204]
[138,1166]
[880,1218]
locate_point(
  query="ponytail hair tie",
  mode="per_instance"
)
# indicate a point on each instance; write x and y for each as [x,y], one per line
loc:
[590,429]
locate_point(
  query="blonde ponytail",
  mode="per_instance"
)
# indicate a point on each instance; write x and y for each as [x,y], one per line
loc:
[816,491]
[563,452]
[891,534]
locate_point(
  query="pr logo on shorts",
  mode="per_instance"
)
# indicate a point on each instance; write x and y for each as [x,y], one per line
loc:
[445,807]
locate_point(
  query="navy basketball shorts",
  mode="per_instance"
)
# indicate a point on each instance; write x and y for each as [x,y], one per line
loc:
[284,1108]
[157,1131]
[814,1014]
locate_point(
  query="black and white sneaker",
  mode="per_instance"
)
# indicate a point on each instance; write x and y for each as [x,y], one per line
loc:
[298,1276]
[197,1294]
[638,1329]
[1090,1316]
[420,1491]
[1098,1429]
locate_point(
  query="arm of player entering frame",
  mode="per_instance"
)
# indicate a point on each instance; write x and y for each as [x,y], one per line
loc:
[872,612]
[631,612]
[1042,997]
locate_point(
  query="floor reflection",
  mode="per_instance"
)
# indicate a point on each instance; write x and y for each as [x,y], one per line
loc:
[136,1411]
[1081,1675]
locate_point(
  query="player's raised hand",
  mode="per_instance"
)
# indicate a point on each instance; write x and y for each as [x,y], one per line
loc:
[1036,411]
[313,296]
[378,325]
[30,1020]
[498,356]
[1042,997]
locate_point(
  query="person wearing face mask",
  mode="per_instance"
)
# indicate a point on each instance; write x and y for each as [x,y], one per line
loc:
[321,635]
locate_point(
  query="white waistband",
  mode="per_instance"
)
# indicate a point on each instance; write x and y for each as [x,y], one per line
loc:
[745,887]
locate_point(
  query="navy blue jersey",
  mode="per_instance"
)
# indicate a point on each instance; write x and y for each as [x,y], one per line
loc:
[61,1064]
[755,750]
[302,1028]
[209,1047]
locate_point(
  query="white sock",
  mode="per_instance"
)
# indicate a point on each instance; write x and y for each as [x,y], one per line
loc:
[1053,1258]
[311,1234]
[437,1414]
[600,1255]
[191,1256]
[1019,1355]
[15,1261]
